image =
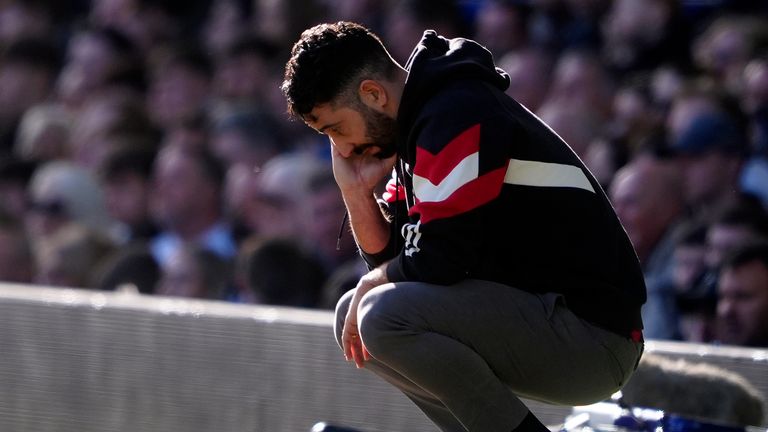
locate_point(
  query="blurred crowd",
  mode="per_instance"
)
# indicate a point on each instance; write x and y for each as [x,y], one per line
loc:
[145,145]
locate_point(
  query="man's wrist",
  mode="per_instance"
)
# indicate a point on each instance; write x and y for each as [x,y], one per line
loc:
[357,193]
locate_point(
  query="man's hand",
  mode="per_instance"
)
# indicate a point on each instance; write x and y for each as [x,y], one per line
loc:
[354,350]
[360,173]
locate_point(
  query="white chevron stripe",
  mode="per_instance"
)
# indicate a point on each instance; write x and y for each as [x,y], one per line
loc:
[519,172]
[465,171]
[546,174]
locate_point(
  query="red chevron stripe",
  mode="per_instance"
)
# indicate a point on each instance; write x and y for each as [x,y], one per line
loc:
[470,196]
[436,167]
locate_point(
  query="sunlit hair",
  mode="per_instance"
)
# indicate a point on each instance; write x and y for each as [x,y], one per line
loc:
[328,62]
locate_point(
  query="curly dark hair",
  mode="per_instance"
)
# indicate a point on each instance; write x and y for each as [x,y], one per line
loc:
[328,60]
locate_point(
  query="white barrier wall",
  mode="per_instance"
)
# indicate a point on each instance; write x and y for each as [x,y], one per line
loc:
[84,361]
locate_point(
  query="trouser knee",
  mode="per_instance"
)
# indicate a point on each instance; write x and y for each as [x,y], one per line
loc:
[379,320]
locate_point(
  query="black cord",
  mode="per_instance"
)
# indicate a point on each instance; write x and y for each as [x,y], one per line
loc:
[341,230]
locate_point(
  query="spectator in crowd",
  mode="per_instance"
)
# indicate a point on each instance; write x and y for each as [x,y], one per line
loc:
[14,181]
[250,138]
[239,184]
[180,86]
[369,12]
[695,98]
[130,269]
[25,19]
[500,26]
[636,117]
[195,272]
[579,99]
[147,23]
[187,204]
[43,133]
[327,235]
[647,196]
[667,82]
[734,226]
[755,88]
[192,134]
[108,119]
[241,289]
[639,36]
[245,75]
[741,222]
[94,55]
[578,127]
[530,73]
[17,263]
[694,320]
[282,272]
[280,21]
[710,150]
[28,71]
[61,192]
[754,176]
[581,83]
[605,155]
[407,20]
[126,177]
[277,204]
[727,45]
[563,25]
[72,257]
[225,22]
[742,303]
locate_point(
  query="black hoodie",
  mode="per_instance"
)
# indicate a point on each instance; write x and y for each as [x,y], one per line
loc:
[485,190]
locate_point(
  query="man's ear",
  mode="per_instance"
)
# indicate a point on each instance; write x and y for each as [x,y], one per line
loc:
[373,94]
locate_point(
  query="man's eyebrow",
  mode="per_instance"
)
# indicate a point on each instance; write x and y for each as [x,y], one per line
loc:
[322,129]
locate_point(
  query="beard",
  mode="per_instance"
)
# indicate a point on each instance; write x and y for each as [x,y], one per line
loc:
[381,132]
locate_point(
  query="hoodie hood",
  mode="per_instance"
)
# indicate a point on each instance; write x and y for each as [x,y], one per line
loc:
[436,62]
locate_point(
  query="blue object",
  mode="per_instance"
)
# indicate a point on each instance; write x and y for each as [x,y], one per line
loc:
[674,423]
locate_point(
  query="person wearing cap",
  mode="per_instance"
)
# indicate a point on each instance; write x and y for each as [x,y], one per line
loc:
[711,151]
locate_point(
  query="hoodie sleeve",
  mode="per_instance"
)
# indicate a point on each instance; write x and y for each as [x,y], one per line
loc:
[461,158]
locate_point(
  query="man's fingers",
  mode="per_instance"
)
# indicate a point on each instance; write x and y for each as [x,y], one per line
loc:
[356,357]
[357,353]
[347,349]
[354,350]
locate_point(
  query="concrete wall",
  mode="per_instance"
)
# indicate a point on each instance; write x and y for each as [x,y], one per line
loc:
[83,361]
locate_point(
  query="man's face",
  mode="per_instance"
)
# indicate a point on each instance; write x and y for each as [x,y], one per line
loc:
[639,209]
[356,130]
[704,176]
[743,305]
[127,197]
[180,187]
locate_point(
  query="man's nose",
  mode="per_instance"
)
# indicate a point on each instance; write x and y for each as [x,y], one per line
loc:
[344,148]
